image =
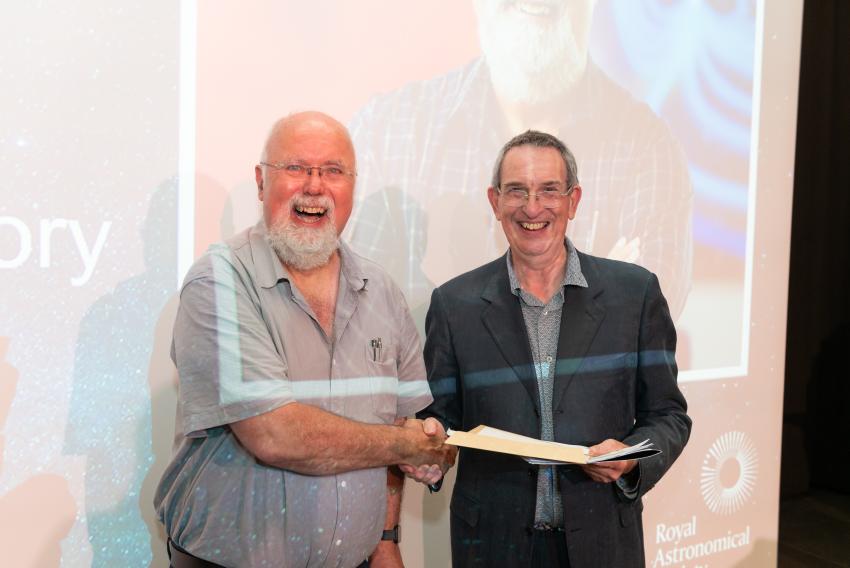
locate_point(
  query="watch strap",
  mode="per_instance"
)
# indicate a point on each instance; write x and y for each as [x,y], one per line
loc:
[392,534]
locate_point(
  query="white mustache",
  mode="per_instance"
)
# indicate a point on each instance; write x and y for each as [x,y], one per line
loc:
[321,201]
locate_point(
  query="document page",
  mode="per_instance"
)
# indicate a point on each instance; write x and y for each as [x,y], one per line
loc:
[539,451]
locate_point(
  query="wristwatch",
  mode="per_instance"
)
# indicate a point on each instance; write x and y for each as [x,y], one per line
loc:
[392,534]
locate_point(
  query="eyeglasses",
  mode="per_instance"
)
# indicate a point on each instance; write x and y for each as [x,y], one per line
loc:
[549,197]
[330,173]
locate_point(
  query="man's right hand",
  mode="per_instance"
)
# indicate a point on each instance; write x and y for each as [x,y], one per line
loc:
[431,458]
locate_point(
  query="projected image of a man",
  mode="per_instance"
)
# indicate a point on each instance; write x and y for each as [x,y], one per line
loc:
[535,51]
[430,140]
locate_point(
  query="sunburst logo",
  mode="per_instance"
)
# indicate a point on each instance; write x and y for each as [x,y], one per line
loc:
[729,473]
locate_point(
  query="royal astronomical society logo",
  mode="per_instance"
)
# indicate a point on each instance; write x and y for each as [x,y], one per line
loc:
[729,472]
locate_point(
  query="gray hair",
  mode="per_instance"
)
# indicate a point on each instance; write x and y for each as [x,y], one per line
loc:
[539,140]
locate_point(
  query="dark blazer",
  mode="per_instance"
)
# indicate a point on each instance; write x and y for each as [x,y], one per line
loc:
[615,378]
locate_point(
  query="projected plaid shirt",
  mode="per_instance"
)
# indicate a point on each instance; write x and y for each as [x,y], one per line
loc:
[429,147]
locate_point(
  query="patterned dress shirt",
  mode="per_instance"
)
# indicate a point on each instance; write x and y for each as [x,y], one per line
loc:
[543,324]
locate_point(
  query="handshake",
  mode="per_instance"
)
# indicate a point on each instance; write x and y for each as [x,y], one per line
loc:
[428,457]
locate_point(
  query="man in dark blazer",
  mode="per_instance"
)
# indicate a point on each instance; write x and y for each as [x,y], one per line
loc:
[555,344]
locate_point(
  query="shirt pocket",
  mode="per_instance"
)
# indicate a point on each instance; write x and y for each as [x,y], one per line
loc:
[383,382]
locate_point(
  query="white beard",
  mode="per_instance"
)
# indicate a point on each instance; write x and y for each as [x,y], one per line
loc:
[305,248]
[529,63]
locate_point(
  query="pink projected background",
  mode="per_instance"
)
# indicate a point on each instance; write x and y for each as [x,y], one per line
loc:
[392,83]
[110,104]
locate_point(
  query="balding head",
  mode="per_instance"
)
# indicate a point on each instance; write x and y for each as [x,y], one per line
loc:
[311,120]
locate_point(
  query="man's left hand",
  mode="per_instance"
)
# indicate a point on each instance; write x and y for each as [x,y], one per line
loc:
[386,555]
[427,474]
[606,472]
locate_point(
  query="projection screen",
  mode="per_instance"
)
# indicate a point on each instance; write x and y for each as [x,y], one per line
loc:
[130,133]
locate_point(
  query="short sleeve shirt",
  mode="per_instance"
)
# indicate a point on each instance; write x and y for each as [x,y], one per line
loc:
[246,342]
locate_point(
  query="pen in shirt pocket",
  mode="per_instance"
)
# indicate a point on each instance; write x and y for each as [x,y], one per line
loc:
[376,348]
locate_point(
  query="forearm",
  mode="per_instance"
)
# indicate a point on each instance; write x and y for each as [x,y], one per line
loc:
[395,489]
[670,259]
[387,552]
[670,435]
[308,440]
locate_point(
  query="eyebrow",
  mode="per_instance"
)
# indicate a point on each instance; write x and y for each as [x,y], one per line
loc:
[292,160]
[519,184]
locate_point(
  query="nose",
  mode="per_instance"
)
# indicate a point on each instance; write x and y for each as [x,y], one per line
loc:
[532,205]
[313,182]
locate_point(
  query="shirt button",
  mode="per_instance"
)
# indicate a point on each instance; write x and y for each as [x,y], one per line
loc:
[549,359]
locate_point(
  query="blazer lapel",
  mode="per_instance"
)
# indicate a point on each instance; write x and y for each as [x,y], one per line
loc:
[503,319]
[580,319]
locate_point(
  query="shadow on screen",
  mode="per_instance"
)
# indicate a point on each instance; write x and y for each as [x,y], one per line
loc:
[392,229]
[29,539]
[110,415]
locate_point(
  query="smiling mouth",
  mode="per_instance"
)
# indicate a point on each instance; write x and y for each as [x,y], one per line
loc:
[533,8]
[534,226]
[310,214]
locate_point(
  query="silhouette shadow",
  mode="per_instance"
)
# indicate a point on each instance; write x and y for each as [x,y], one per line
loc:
[29,539]
[109,420]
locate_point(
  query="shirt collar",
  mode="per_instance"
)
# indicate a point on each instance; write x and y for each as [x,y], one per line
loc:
[354,270]
[573,275]
[270,270]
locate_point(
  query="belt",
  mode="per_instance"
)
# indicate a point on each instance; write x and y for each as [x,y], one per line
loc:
[546,527]
[182,559]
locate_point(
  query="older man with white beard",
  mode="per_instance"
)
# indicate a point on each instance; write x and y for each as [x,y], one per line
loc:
[298,361]
[431,142]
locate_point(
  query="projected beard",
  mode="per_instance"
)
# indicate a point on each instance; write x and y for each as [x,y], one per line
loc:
[305,248]
[530,48]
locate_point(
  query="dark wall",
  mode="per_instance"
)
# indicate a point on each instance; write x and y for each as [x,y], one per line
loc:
[817,380]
